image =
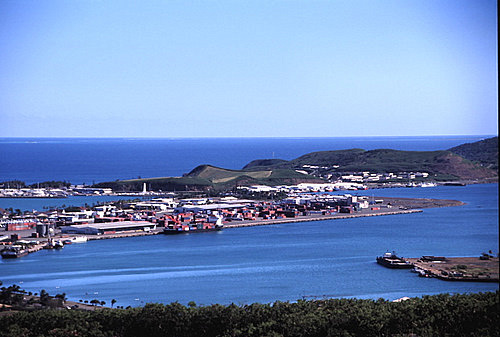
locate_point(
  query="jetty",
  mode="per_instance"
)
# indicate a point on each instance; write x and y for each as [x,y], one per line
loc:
[484,268]
[318,217]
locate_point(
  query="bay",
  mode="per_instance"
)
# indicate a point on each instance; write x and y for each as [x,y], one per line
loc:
[323,259]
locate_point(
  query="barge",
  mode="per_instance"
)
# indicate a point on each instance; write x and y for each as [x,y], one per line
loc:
[391,260]
[13,252]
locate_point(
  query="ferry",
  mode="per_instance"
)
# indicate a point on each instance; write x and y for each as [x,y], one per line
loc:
[14,252]
[391,260]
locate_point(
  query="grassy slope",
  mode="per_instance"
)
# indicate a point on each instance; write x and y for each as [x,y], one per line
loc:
[443,163]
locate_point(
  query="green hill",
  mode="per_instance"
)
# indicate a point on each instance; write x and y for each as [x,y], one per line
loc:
[484,152]
[224,177]
[207,176]
[444,164]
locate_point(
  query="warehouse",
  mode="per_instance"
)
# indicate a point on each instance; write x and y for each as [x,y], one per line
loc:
[109,228]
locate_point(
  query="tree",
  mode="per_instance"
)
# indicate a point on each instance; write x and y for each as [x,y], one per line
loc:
[62,297]
[113,301]
[44,296]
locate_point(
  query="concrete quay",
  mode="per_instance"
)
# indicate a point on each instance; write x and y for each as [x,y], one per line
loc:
[247,223]
[252,223]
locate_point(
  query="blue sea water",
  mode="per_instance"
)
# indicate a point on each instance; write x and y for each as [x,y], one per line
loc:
[89,160]
[323,259]
[331,258]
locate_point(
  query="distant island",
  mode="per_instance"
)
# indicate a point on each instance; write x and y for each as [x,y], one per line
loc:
[476,162]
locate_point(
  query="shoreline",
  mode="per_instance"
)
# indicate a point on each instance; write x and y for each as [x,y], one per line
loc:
[398,206]
[255,223]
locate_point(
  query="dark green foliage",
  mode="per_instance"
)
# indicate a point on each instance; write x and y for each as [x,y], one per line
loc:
[442,163]
[155,184]
[440,315]
[45,184]
[13,184]
[485,152]
[258,163]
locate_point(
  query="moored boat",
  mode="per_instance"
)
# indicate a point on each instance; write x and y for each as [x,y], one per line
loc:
[76,239]
[391,260]
[14,252]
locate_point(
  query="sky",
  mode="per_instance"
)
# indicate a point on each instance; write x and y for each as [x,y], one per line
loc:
[258,68]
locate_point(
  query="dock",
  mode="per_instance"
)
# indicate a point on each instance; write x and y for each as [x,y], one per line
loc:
[483,268]
[319,217]
[472,269]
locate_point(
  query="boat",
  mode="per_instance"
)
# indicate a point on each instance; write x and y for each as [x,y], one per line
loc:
[14,252]
[391,260]
[76,239]
[54,244]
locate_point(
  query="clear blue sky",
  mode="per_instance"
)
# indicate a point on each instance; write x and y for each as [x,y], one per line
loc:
[247,68]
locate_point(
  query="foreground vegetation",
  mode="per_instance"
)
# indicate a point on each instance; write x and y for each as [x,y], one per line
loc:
[439,315]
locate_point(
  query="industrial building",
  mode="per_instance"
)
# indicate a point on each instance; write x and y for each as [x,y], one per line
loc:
[109,228]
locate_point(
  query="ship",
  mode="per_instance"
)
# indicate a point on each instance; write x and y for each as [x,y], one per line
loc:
[178,227]
[54,244]
[391,260]
[14,252]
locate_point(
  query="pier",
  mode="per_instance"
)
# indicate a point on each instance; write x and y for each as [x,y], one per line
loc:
[472,269]
[336,216]
[484,268]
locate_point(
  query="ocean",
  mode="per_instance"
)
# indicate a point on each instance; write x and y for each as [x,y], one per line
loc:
[92,160]
[287,262]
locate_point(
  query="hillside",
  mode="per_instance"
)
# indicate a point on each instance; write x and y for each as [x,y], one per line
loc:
[155,184]
[206,176]
[223,177]
[484,152]
[444,164]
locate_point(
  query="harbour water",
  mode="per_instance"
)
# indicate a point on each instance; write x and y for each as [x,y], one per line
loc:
[321,259]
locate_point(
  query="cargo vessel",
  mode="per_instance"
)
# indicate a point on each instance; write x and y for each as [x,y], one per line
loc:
[391,260]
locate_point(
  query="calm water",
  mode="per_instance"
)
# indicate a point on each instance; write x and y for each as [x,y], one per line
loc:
[332,259]
[93,160]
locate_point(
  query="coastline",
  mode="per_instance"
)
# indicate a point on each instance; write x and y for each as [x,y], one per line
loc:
[398,206]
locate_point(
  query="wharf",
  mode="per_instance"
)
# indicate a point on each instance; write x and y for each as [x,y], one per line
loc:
[318,217]
[37,247]
[264,222]
[472,269]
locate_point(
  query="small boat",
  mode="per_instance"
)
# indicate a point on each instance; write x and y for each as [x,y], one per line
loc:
[391,260]
[54,244]
[76,239]
[14,252]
